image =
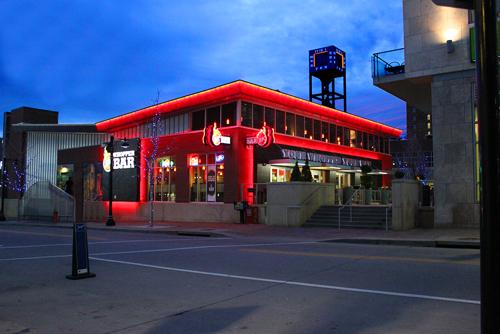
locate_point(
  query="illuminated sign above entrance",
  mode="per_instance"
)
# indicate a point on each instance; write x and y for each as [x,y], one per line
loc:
[323,158]
[213,137]
[264,138]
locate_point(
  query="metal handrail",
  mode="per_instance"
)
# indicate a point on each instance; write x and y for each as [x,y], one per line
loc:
[348,202]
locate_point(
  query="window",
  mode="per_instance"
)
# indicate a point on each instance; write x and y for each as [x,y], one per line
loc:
[317,130]
[229,114]
[352,138]
[299,124]
[290,124]
[280,121]
[165,172]
[347,139]
[206,177]
[308,131]
[246,114]
[333,133]
[324,132]
[270,117]
[340,135]
[197,121]
[213,116]
[258,119]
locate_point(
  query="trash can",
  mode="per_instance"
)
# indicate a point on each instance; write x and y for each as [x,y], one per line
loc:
[252,215]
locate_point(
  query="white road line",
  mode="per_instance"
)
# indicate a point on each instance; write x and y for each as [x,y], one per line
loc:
[310,285]
[202,247]
[105,242]
[161,250]
[36,257]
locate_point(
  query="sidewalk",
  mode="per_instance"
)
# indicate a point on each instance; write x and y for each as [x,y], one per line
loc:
[437,237]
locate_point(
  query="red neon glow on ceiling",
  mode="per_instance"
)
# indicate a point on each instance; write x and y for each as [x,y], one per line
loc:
[239,90]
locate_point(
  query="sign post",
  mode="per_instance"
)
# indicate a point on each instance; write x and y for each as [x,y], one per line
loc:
[80,256]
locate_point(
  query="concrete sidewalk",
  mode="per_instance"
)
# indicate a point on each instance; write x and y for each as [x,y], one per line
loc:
[437,237]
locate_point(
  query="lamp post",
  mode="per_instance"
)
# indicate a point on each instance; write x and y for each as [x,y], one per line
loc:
[109,148]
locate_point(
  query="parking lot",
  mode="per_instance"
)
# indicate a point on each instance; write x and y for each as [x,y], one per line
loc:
[165,283]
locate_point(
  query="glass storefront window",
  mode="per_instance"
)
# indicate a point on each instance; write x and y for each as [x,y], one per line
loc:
[164,184]
[352,138]
[229,114]
[308,131]
[198,120]
[290,124]
[317,130]
[299,123]
[339,136]
[258,117]
[213,115]
[270,117]
[280,121]
[246,114]
[206,177]
[324,132]
[333,133]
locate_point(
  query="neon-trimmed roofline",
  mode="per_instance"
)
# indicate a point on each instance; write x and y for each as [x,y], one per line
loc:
[240,89]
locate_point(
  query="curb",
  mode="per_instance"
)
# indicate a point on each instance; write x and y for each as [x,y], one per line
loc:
[192,233]
[412,243]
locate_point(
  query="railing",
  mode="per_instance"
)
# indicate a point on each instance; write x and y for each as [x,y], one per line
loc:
[388,63]
[44,201]
[349,202]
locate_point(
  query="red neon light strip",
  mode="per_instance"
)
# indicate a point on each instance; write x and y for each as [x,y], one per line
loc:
[240,89]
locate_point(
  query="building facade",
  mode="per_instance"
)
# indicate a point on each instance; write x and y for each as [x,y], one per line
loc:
[435,73]
[218,145]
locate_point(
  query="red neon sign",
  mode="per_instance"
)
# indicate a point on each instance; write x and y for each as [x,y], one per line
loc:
[264,138]
[213,137]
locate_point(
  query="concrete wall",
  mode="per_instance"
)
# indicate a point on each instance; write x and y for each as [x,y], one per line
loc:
[427,27]
[454,151]
[163,211]
[404,204]
[292,203]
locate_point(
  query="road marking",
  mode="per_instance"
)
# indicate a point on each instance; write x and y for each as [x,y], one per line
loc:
[47,234]
[161,250]
[203,247]
[295,283]
[474,262]
[106,242]
[36,257]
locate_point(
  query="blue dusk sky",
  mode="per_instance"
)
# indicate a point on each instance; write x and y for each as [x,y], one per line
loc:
[92,60]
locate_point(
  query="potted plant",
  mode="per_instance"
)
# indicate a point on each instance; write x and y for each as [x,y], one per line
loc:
[296,175]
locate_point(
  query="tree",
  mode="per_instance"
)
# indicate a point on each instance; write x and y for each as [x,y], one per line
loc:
[306,172]
[296,175]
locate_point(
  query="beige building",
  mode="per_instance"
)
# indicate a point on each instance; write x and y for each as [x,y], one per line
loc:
[435,73]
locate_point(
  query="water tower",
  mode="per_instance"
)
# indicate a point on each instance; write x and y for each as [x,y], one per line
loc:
[327,64]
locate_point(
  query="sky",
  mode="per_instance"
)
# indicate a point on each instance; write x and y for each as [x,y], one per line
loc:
[93,60]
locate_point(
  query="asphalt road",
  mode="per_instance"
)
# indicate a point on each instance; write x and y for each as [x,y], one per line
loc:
[159,283]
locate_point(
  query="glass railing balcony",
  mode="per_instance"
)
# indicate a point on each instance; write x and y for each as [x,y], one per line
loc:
[388,63]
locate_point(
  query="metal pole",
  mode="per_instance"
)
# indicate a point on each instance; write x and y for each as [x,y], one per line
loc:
[151,191]
[110,149]
[487,84]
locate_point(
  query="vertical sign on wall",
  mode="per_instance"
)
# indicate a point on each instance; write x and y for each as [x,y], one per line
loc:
[211,183]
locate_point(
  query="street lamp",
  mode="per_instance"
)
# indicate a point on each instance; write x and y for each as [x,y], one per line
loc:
[110,149]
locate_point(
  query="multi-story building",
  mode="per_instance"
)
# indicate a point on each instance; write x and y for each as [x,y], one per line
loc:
[435,75]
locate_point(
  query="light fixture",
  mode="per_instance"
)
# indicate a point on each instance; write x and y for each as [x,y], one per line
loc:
[64,170]
[125,143]
[450,47]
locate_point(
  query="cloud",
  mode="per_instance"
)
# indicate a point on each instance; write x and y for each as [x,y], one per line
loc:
[104,58]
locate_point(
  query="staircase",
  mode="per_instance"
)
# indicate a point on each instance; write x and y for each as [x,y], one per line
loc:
[363,216]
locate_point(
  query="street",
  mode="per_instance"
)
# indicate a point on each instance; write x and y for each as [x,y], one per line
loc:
[163,283]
